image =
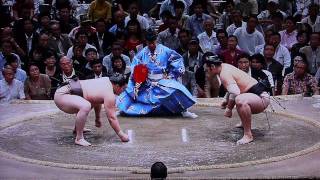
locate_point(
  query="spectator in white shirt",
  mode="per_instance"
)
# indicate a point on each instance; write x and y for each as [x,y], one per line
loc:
[208,39]
[289,35]
[249,37]
[168,5]
[10,88]
[134,14]
[313,19]
[82,39]
[237,22]
[282,54]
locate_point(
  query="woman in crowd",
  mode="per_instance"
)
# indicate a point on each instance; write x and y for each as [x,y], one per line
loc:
[52,70]
[133,37]
[119,66]
[258,71]
[37,86]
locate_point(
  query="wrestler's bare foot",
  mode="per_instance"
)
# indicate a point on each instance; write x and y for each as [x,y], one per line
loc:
[245,140]
[239,125]
[123,136]
[82,142]
[223,104]
[228,113]
[85,130]
[98,122]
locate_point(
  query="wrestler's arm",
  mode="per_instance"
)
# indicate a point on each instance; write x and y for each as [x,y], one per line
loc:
[232,88]
[110,108]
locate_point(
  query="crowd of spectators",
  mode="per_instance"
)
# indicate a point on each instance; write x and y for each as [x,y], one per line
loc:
[274,39]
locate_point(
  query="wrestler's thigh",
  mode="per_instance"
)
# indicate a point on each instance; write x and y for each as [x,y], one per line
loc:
[71,103]
[256,103]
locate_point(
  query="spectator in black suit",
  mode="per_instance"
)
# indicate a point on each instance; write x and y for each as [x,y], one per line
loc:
[274,67]
[58,41]
[38,51]
[98,70]
[102,39]
[27,38]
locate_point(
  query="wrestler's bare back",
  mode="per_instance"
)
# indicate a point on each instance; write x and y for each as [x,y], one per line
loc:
[96,90]
[230,74]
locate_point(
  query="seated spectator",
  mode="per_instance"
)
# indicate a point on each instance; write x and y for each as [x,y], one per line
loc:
[19,74]
[23,8]
[225,19]
[302,41]
[44,21]
[169,5]
[67,70]
[134,14]
[119,66]
[158,171]
[58,41]
[85,26]
[42,46]
[300,81]
[245,7]
[208,86]
[184,38]
[37,86]
[133,37]
[116,51]
[208,39]
[66,20]
[91,55]
[267,35]
[274,67]
[169,37]
[78,60]
[258,65]
[102,39]
[276,23]
[223,41]
[193,58]
[289,35]
[182,18]
[7,50]
[52,70]
[7,35]
[282,54]
[119,25]
[249,37]
[312,52]
[237,22]
[272,8]
[313,19]
[82,42]
[10,88]
[97,70]
[164,17]
[100,9]
[231,54]
[27,38]
[195,22]
[243,63]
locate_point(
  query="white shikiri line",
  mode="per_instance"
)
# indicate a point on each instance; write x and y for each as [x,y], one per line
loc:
[184,135]
[130,132]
